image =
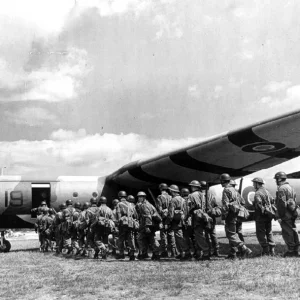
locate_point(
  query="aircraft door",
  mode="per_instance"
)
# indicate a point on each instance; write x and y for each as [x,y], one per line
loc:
[40,192]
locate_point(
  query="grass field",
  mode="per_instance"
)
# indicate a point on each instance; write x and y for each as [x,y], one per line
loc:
[29,274]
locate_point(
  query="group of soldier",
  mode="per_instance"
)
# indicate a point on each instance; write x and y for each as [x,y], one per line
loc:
[185,219]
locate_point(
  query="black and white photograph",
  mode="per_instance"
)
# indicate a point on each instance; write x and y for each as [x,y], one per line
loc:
[149,149]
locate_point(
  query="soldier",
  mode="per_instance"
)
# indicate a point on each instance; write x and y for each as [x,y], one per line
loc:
[239,223]
[82,229]
[199,219]
[287,214]
[56,228]
[167,238]
[214,211]
[90,219]
[44,224]
[188,232]
[115,234]
[149,223]
[131,200]
[38,210]
[230,198]
[103,229]
[175,219]
[263,221]
[68,228]
[125,213]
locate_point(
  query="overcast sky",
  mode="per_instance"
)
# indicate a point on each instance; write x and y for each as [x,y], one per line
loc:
[87,86]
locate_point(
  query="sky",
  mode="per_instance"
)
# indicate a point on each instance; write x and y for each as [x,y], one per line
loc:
[88,86]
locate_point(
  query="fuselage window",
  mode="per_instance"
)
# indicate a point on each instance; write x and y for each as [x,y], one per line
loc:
[75,194]
[16,198]
[95,195]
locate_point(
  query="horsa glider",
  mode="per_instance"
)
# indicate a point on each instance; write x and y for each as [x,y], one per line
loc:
[239,153]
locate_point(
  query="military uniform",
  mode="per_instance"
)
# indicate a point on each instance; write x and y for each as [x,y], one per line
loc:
[125,211]
[147,228]
[188,231]
[90,219]
[44,224]
[288,226]
[211,234]
[229,196]
[101,232]
[177,204]
[56,229]
[197,202]
[81,231]
[263,222]
[167,238]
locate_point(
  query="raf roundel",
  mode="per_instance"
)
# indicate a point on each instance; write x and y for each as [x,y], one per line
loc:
[263,147]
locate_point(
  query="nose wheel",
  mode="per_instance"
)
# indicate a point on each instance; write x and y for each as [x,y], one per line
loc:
[4,244]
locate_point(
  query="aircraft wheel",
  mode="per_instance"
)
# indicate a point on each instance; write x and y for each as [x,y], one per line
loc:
[6,247]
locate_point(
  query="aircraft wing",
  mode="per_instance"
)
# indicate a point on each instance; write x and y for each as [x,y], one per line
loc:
[239,153]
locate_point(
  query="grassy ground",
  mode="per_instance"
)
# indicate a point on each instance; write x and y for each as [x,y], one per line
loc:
[29,274]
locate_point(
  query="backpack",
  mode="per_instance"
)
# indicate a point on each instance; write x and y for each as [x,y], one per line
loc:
[178,214]
[239,210]
[164,212]
[270,209]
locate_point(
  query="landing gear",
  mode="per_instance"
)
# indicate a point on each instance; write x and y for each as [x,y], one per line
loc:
[4,244]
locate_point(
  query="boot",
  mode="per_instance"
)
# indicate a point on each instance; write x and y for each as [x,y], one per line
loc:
[272,250]
[155,257]
[164,254]
[142,256]
[186,256]
[205,257]
[245,251]
[231,256]
[131,257]
[216,253]
[265,252]
[120,256]
[96,254]
[289,254]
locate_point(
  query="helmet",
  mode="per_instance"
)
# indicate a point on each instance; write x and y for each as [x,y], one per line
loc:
[66,213]
[45,210]
[86,205]
[174,188]
[225,177]
[184,192]
[103,200]
[62,206]
[51,211]
[93,201]
[163,186]
[258,180]
[131,199]
[43,203]
[232,182]
[115,202]
[195,183]
[122,194]
[69,202]
[77,205]
[280,175]
[141,194]
[203,184]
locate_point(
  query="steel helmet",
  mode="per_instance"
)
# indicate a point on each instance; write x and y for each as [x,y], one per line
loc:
[50,211]
[69,202]
[163,186]
[232,182]
[103,200]
[174,188]
[141,194]
[280,175]
[131,199]
[43,203]
[45,210]
[86,205]
[122,194]
[77,205]
[203,184]
[195,183]
[93,201]
[115,202]
[225,177]
[184,192]
[62,206]
[258,180]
